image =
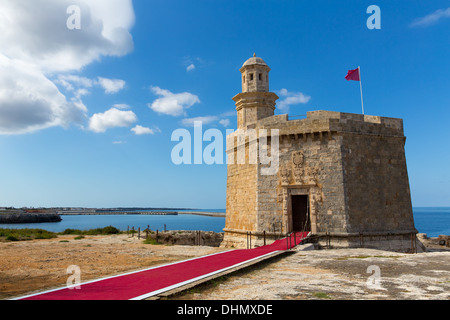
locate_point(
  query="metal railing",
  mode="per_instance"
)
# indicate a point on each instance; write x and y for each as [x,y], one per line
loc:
[291,238]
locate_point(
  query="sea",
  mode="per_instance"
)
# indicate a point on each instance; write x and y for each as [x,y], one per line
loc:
[125,221]
[433,221]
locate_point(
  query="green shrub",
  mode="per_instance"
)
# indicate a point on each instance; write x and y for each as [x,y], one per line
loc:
[25,234]
[44,234]
[150,240]
[11,238]
[109,230]
[72,231]
[321,295]
[92,232]
[31,234]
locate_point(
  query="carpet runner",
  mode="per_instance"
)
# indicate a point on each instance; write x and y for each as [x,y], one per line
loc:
[149,282]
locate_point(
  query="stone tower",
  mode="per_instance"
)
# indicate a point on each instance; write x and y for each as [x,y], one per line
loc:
[255,102]
[341,176]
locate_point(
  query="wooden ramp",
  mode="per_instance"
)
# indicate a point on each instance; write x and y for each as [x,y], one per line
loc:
[166,279]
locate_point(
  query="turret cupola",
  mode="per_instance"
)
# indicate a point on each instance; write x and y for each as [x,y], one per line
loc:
[255,75]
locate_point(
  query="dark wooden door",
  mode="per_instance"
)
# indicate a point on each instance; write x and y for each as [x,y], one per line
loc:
[300,213]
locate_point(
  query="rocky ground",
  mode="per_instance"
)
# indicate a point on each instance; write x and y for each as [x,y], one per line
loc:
[38,265]
[365,274]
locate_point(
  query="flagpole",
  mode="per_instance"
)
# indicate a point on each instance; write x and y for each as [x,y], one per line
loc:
[360,88]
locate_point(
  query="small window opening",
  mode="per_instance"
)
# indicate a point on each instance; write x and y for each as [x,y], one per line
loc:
[251,76]
[243,80]
[260,77]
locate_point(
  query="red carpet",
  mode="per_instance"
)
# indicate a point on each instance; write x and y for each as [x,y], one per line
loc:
[145,283]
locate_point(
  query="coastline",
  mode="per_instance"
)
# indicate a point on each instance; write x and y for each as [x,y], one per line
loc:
[86,213]
[210,214]
[106,213]
[23,218]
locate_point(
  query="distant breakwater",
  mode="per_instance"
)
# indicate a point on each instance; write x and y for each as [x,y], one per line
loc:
[11,218]
[150,213]
[156,213]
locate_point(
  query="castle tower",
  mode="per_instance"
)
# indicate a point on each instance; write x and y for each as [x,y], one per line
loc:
[340,176]
[255,102]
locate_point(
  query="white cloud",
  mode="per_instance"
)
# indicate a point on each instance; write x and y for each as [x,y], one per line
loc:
[30,102]
[112,118]
[225,122]
[38,33]
[76,84]
[140,130]
[291,98]
[173,104]
[35,44]
[80,85]
[431,18]
[190,67]
[121,106]
[204,120]
[229,114]
[111,85]
[192,63]
[69,80]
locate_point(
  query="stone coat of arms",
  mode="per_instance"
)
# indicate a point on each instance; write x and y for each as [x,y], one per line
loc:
[298,160]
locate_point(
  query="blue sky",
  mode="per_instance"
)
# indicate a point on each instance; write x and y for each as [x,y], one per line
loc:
[86,115]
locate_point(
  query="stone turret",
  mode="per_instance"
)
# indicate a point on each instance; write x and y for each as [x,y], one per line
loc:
[255,75]
[255,102]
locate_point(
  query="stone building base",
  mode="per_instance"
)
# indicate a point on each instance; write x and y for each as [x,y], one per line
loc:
[397,242]
[406,242]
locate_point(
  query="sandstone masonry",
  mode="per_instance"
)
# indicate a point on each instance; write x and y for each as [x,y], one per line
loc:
[341,176]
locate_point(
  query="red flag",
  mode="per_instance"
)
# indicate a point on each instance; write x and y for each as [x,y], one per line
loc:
[353,75]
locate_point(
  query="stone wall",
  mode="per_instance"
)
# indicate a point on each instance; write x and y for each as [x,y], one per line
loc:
[377,186]
[254,106]
[320,175]
[189,238]
[241,197]
[389,241]
[241,200]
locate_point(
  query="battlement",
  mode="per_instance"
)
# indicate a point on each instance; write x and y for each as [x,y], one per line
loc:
[331,121]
